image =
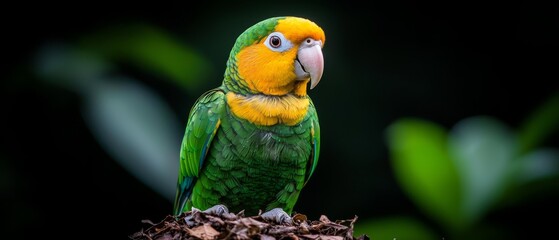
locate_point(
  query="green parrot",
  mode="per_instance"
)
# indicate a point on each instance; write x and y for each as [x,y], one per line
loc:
[252,143]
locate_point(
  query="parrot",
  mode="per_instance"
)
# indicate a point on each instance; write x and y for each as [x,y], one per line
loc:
[253,143]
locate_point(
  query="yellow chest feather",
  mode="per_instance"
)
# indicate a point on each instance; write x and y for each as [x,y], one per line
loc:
[269,110]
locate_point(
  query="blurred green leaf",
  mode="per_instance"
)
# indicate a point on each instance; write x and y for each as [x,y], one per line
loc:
[482,148]
[394,228]
[535,174]
[129,120]
[424,169]
[138,129]
[537,165]
[69,67]
[150,48]
[540,124]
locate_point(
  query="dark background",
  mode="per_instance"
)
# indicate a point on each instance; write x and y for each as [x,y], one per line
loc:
[384,60]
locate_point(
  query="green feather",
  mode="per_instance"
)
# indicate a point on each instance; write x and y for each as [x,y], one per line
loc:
[204,120]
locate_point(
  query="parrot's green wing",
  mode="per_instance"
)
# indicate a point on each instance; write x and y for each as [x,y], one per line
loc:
[315,138]
[203,122]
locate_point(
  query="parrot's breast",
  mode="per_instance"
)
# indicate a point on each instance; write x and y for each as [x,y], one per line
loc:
[267,110]
[254,168]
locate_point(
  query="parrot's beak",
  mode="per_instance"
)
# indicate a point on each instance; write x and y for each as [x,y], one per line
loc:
[309,62]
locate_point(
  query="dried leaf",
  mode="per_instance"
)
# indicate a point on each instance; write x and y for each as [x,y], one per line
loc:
[311,236]
[205,232]
[327,237]
[299,218]
[266,237]
[324,219]
[195,225]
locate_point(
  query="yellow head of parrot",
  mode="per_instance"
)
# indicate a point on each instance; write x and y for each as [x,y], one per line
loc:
[285,60]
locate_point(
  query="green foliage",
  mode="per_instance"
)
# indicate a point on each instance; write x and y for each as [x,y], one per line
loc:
[129,120]
[482,150]
[540,125]
[152,49]
[423,166]
[458,176]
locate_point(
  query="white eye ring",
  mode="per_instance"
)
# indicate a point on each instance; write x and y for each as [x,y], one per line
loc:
[277,42]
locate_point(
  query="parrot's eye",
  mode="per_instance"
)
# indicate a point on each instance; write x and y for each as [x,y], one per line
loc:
[277,42]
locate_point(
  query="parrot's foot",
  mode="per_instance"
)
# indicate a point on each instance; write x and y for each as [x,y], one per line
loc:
[217,210]
[277,215]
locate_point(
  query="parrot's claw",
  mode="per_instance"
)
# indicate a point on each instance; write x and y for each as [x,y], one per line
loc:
[218,210]
[189,218]
[277,215]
